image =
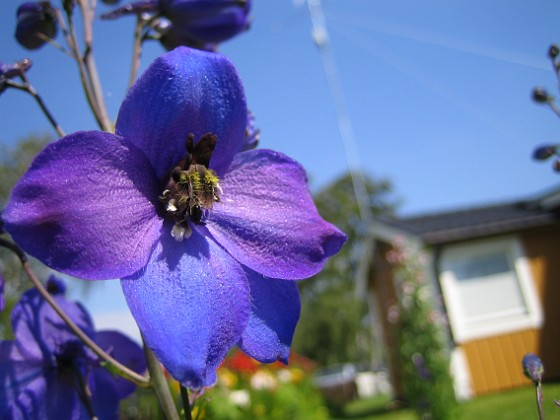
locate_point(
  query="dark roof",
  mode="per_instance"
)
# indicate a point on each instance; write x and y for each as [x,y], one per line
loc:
[476,222]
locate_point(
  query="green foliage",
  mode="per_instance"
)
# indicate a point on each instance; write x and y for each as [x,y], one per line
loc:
[14,161]
[424,363]
[333,327]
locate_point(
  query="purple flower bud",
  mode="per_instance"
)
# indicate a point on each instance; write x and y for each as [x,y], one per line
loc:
[532,367]
[553,51]
[56,286]
[9,71]
[541,96]
[35,22]
[172,38]
[207,21]
[544,152]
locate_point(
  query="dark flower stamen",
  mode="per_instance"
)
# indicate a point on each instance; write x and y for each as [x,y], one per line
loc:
[192,188]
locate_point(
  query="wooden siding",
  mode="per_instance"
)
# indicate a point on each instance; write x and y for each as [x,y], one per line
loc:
[495,362]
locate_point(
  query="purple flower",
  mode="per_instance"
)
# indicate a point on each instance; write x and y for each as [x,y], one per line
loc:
[35,22]
[205,238]
[201,24]
[532,367]
[208,21]
[44,372]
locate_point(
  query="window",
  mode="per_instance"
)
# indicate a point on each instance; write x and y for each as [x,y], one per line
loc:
[488,289]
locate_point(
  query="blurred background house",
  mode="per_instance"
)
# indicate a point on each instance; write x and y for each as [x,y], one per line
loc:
[496,271]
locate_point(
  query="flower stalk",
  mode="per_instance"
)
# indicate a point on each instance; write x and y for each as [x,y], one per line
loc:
[122,370]
[160,385]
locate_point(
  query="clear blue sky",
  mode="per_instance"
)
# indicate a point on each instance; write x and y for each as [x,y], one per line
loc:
[438,92]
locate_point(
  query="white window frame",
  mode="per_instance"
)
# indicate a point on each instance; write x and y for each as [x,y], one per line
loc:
[498,323]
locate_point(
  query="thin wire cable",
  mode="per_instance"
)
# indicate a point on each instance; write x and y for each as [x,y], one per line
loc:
[321,39]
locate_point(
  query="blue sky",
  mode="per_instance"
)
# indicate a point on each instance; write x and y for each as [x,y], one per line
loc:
[438,92]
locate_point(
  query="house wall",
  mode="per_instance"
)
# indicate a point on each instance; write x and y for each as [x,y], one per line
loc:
[495,362]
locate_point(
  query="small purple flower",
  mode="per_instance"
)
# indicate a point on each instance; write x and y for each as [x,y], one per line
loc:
[201,24]
[205,237]
[45,371]
[208,21]
[533,367]
[35,22]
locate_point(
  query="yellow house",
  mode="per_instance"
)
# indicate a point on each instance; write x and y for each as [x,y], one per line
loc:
[497,271]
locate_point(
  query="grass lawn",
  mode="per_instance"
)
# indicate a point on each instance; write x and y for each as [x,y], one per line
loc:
[518,404]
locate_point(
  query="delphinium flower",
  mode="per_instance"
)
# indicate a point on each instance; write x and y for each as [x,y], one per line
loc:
[200,24]
[36,23]
[205,237]
[46,372]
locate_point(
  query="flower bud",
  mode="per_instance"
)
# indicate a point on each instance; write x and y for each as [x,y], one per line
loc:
[9,71]
[207,21]
[35,22]
[55,285]
[544,152]
[541,96]
[556,165]
[170,38]
[553,51]
[532,367]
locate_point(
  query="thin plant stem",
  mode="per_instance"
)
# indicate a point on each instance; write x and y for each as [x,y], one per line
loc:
[136,50]
[72,42]
[160,385]
[87,9]
[186,402]
[539,395]
[27,87]
[122,369]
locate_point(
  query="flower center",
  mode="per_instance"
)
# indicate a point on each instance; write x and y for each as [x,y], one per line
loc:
[192,188]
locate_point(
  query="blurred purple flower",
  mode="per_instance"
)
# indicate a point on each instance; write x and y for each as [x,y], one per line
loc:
[35,22]
[532,367]
[45,371]
[203,236]
[201,24]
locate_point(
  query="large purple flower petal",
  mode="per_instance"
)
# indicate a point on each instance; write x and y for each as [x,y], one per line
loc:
[191,303]
[86,207]
[40,330]
[267,219]
[275,308]
[185,91]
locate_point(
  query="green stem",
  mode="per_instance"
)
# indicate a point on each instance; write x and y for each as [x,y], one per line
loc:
[538,389]
[186,402]
[160,385]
